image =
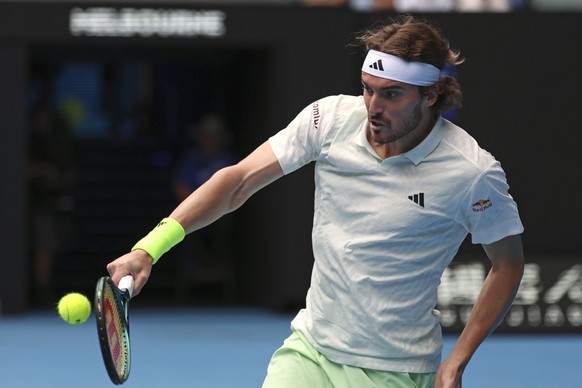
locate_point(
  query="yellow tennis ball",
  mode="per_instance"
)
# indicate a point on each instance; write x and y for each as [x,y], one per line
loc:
[74,308]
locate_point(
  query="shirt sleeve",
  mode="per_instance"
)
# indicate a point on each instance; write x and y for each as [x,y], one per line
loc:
[488,211]
[300,142]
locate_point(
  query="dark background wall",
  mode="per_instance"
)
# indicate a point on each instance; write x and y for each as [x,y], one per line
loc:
[520,79]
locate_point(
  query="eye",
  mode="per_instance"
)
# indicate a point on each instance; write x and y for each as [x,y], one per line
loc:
[367,89]
[390,93]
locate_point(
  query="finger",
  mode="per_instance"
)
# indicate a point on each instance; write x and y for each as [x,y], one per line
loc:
[112,268]
[115,271]
[136,289]
[141,279]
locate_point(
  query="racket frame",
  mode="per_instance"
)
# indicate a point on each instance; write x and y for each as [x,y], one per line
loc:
[121,300]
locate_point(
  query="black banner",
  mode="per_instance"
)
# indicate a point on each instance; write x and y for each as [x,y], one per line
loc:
[549,297]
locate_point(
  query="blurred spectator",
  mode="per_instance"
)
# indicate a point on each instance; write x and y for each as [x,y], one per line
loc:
[52,174]
[206,257]
[209,152]
[484,5]
[359,5]
[372,5]
[424,5]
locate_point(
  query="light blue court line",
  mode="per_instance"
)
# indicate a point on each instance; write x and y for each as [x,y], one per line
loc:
[230,348]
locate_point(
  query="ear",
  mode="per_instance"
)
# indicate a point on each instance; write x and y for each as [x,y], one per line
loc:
[432,94]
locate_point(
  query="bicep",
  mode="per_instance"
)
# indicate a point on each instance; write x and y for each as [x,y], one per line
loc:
[260,168]
[507,252]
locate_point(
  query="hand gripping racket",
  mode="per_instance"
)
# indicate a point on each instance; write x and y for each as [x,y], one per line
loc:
[111,303]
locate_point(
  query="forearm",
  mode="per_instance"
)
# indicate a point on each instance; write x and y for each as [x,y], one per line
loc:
[495,299]
[227,190]
[206,204]
[216,197]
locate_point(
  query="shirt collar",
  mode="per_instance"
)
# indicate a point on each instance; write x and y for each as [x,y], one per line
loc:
[428,145]
[415,155]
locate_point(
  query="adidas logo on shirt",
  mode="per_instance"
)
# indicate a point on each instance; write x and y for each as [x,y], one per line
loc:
[377,65]
[417,199]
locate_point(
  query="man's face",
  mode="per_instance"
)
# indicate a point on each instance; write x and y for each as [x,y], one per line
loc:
[396,111]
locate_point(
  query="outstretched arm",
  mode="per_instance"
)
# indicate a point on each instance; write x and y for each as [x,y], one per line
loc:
[228,189]
[225,192]
[495,299]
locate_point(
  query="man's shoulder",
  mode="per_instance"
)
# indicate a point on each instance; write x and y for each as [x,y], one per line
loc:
[341,102]
[464,146]
[331,113]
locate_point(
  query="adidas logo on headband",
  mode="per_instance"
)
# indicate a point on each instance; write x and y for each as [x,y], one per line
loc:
[394,68]
[377,65]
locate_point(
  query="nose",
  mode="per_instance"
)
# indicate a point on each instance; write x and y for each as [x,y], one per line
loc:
[375,107]
[375,110]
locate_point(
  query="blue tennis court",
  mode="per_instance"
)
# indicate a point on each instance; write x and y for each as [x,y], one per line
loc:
[215,348]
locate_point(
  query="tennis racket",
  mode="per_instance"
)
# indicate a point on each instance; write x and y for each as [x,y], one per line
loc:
[111,303]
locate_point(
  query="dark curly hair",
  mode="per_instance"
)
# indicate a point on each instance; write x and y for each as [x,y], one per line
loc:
[417,40]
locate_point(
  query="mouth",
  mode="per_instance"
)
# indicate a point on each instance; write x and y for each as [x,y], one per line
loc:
[376,125]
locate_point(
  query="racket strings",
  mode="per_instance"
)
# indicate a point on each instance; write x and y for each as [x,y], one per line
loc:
[117,332]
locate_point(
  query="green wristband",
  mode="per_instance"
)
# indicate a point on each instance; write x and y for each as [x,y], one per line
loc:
[161,239]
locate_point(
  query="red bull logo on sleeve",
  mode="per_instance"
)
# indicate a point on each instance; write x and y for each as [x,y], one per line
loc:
[482,205]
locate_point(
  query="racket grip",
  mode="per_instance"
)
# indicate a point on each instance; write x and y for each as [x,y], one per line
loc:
[126,283]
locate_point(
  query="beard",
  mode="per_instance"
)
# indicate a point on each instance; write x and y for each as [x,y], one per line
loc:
[407,127]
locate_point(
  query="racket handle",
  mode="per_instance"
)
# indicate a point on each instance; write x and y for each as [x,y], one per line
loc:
[126,283]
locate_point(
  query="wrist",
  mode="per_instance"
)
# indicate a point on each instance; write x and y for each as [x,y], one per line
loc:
[161,239]
[143,256]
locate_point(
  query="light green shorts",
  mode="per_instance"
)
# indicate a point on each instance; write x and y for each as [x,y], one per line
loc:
[297,364]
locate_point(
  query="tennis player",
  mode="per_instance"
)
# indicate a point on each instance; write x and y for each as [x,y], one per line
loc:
[398,188]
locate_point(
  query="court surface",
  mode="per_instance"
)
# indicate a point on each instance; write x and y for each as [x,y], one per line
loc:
[215,348]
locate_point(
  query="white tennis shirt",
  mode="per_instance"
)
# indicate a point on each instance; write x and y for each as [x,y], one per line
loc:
[385,230]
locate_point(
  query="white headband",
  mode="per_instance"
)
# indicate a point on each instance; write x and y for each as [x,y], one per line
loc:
[389,66]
